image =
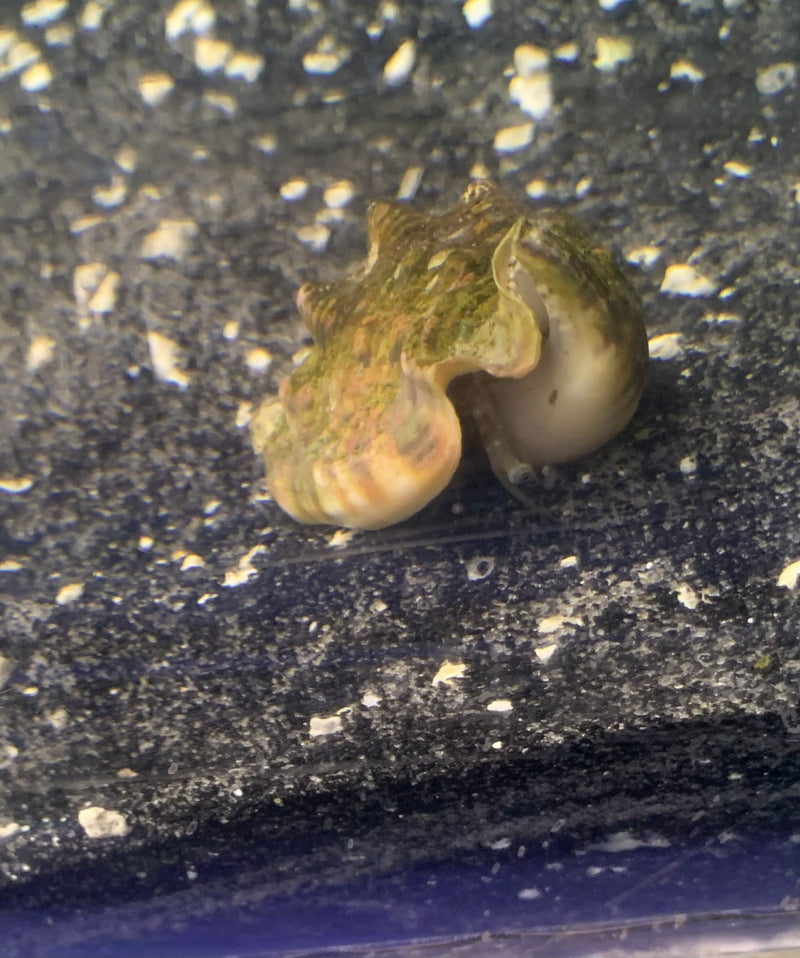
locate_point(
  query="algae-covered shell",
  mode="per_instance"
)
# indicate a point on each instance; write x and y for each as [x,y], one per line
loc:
[539,327]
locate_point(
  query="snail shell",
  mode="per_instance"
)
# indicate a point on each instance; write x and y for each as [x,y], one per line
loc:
[540,330]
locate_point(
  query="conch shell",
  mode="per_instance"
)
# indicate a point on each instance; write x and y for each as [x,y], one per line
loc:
[540,329]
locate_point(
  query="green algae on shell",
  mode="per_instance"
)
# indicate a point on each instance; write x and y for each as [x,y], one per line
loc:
[540,328]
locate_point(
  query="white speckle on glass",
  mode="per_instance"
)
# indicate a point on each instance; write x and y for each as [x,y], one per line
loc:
[529,894]
[687,596]
[686,70]
[583,186]
[610,52]
[112,195]
[258,360]
[567,52]
[790,575]
[266,142]
[126,158]
[448,672]
[165,356]
[223,102]
[327,725]
[327,58]
[211,54]
[59,34]
[681,279]
[314,235]
[341,538]
[14,486]
[155,87]
[400,64]
[530,60]
[244,414]
[41,12]
[738,169]
[244,66]
[480,567]
[545,652]
[776,78]
[294,189]
[643,256]
[533,94]
[15,53]
[500,705]
[36,77]
[511,139]
[70,593]
[243,570]
[189,16]
[95,288]
[41,351]
[536,189]
[477,12]
[553,623]
[666,346]
[91,17]
[338,194]
[100,822]
[171,239]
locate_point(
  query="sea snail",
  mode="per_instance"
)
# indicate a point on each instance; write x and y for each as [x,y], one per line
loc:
[539,328]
